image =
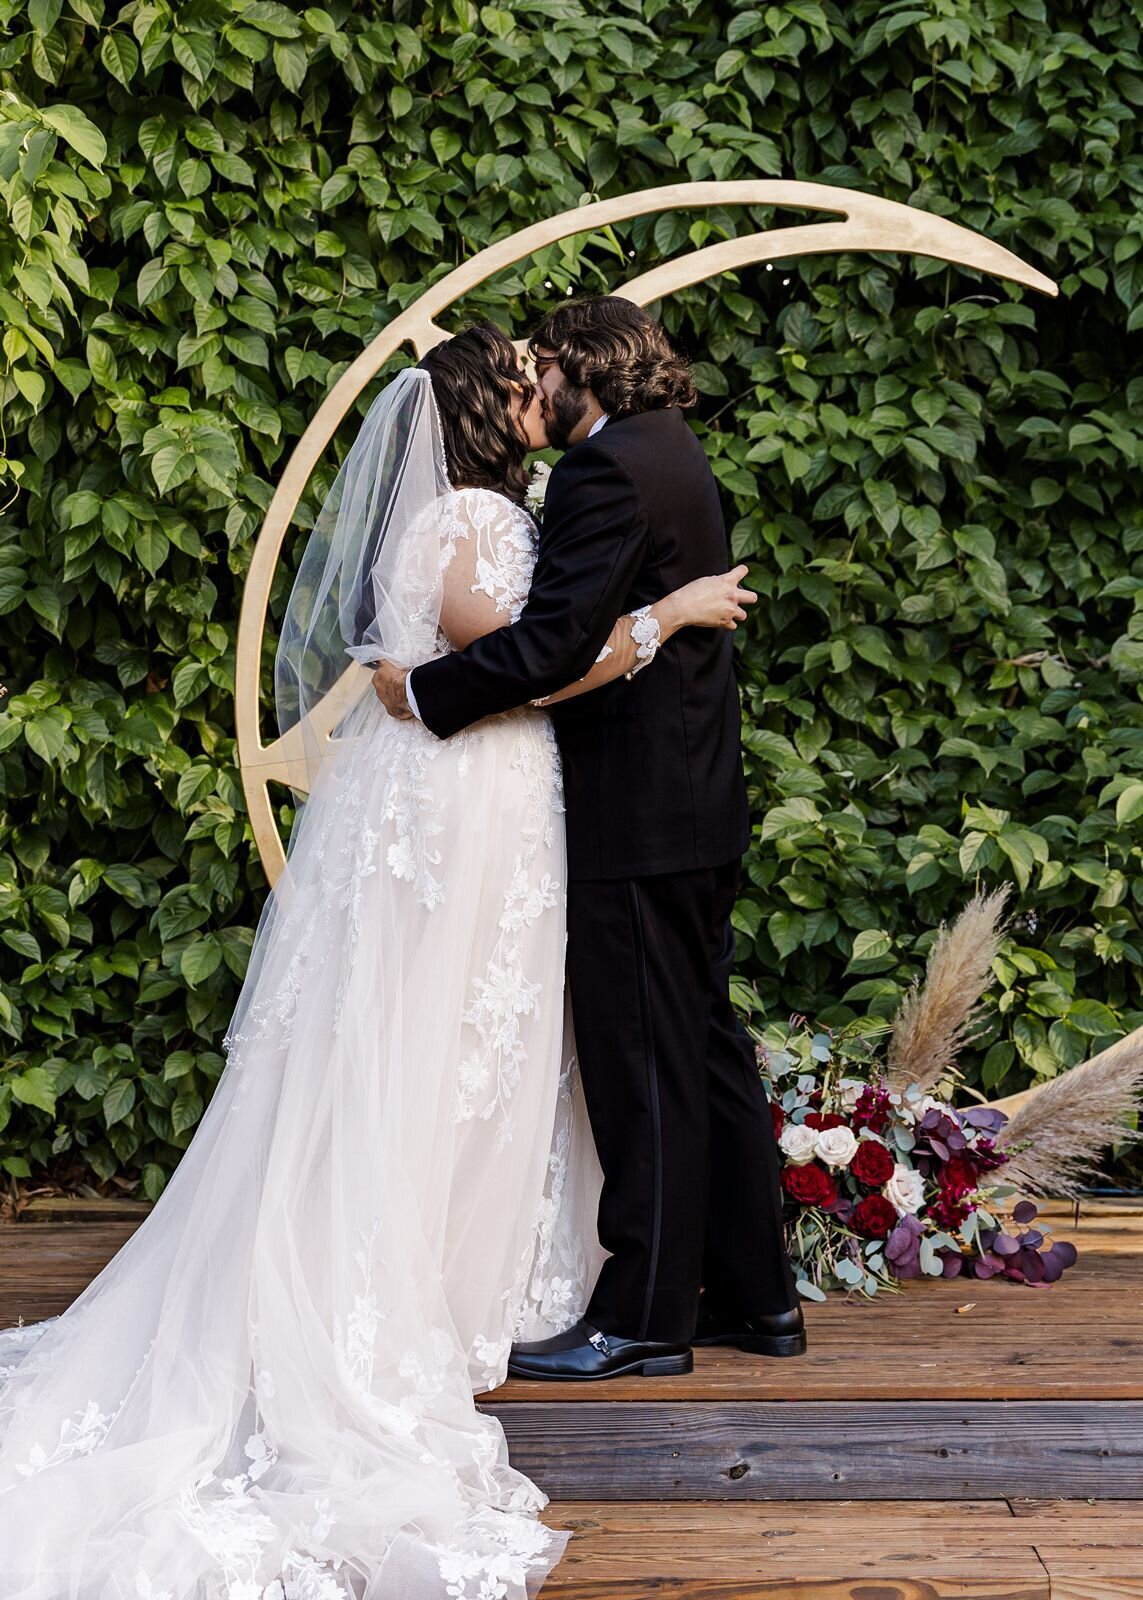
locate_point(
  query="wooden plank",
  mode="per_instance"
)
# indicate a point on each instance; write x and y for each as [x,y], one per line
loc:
[44,1266]
[813,1451]
[788,1519]
[883,1551]
[1099,1583]
[1077,1517]
[850,1550]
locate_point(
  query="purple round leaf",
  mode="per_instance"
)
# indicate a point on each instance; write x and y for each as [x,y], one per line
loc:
[984,1117]
[1005,1245]
[952,1265]
[1024,1211]
[1065,1251]
[1032,1239]
[1053,1267]
[1031,1265]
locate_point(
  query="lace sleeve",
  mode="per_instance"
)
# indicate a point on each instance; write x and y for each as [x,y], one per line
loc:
[633,644]
[488,556]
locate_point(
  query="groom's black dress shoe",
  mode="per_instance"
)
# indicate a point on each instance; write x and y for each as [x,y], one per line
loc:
[779,1333]
[583,1352]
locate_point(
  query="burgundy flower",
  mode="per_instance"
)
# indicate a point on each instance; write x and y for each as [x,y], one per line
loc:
[948,1211]
[872,1164]
[958,1176]
[778,1117]
[810,1184]
[874,1216]
[871,1110]
[986,1155]
[824,1119]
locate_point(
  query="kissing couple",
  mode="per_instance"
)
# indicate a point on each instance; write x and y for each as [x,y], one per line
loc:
[486,1107]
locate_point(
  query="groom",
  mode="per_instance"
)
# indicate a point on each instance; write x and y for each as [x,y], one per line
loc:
[656,826]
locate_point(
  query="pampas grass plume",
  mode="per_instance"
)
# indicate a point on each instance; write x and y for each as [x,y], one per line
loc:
[937,1016]
[1054,1140]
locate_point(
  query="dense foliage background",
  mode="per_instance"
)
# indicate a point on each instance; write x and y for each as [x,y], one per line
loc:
[209,207]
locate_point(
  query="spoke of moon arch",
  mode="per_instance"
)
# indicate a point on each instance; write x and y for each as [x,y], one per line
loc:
[867,223]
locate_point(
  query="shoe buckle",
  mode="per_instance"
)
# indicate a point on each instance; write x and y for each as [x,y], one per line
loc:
[600,1343]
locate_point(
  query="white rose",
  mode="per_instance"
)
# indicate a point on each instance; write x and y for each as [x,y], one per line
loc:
[798,1143]
[851,1092]
[905,1190]
[836,1146]
[927,1102]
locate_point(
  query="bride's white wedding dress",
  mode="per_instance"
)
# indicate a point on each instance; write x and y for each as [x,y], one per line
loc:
[268,1393]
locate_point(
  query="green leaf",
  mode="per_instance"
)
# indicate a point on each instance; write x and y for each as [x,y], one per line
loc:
[1129,805]
[78,131]
[33,1087]
[120,55]
[871,944]
[446,144]
[119,1101]
[199,961]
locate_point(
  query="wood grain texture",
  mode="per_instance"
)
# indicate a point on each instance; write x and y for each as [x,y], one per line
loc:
[845,1551]
[45,1265]
[875,1450]
[850,1550]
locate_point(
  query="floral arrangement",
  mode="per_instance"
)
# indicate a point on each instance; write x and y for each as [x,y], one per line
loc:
[537,489]
[886,1179]
[883,1185]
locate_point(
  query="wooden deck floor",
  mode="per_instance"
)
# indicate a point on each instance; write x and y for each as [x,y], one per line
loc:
[908,1456]
[899,1550]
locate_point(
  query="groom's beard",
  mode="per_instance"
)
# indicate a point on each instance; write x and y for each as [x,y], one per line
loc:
[564,409]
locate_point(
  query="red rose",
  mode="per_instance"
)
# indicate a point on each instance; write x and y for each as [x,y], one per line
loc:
[809,1185]
[874,1216]
[824,1119]
[872,1164]
[778,1117]
[958,1175]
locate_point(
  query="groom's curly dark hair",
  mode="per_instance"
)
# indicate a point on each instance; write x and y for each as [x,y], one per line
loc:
[612,347]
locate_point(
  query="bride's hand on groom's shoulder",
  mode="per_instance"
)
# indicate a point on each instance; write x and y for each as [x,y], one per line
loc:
[715,602]
[389,685]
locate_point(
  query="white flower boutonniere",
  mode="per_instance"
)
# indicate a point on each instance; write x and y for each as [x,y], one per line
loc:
[537,489]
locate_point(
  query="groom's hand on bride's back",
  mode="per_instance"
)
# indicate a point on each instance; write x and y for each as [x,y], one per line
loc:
[389,685]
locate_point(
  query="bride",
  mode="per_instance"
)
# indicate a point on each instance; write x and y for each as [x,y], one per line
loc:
[268,1393]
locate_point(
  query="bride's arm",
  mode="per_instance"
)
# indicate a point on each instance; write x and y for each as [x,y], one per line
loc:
[715,602]
[476,595]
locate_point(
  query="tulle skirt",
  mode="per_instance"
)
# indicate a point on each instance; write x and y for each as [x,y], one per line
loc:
[268,1393]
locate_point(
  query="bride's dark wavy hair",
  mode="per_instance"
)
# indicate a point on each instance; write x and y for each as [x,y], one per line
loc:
[472,375]
[612,347]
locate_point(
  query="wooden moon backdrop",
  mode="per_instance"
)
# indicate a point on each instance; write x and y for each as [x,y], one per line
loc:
[865,222]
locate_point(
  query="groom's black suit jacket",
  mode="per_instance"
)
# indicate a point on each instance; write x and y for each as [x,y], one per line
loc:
[652,765]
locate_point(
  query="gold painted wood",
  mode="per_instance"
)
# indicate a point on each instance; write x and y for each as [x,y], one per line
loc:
[867,222]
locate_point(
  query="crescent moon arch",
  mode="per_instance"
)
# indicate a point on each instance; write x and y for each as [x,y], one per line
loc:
[863,222]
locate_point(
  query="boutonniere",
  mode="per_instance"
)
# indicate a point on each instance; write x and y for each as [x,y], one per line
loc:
[537,489]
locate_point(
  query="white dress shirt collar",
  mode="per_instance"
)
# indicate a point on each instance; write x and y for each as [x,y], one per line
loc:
[595,427]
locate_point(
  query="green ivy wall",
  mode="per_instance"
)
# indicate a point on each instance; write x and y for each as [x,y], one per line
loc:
[210,207]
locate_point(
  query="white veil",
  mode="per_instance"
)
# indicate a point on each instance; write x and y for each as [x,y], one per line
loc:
[369,583]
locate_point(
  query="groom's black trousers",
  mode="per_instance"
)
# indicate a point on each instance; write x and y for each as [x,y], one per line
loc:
[680,1120]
